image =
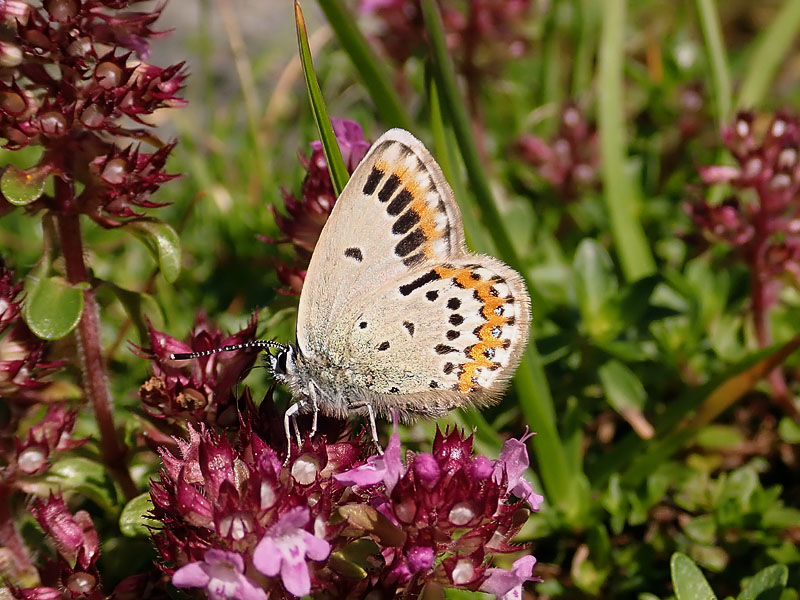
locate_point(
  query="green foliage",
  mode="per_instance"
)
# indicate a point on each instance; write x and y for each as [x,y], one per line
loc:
[659,444]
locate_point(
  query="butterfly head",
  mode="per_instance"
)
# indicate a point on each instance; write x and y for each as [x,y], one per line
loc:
[283,363]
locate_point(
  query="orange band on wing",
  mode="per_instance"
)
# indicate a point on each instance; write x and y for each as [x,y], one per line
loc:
[490,303]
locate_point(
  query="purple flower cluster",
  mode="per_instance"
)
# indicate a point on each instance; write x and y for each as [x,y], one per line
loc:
[237,523]
[481,33]
[571,160]
[761,222]
[307,214]
[98,90]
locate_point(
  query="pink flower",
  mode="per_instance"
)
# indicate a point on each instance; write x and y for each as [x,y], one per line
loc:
[507,585]
[221,574]
[513,462]
[284,550]
[387,468]
[352,144]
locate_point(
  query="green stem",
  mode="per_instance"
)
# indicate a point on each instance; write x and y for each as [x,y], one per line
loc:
[537,403]
[367,64]
[95,381]
[709,21]
[771,49]
[620,192]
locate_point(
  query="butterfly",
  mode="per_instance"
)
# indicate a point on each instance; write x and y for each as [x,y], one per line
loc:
[396,315]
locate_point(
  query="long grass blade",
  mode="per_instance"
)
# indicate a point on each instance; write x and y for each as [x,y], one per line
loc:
[620,192]
[709,22]
[333,155]
[367,64]
[771,48]
[534,392]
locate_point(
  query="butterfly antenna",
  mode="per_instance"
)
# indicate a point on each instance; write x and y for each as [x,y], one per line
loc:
[260,344]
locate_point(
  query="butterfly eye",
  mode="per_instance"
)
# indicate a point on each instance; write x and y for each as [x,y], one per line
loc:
[282,361]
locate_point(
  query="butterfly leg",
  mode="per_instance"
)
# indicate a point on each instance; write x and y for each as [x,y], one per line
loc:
[291,415]
[312,393]
[373,428]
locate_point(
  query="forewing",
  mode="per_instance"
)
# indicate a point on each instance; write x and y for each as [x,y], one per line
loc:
[395,213]
[453,331]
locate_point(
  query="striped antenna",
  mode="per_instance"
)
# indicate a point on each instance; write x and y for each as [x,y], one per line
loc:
[260,344]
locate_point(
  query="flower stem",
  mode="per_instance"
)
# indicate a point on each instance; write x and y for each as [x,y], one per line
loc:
[10,538]
[760,307]
[88,338]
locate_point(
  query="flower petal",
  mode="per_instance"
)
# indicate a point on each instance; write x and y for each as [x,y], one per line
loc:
[295,577]
[267,557]
[191,575]
[316,548]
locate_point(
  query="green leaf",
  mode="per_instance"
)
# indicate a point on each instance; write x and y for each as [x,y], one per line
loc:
[367,64]
[452,593]
[163,242]
[357,559]
[139,305]
[595,284]
[91,478]
[333,155]
[22,187]
[702,529]
[767,584]
[688,580]
[53,307]
[134,519]
[789,430]
[368,519]
[626,395]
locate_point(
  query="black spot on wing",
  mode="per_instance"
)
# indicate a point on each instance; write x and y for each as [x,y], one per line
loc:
[354,253]
[399,203]
[456,319]
[413,260]
[410,243]
[410,327]
[394,390]
[383,346]
[452,334]
[425,279]
[373,180]
[444,349]
[433,385]
[454,304]
[389,188]
[448,368]
[432,295]
[406,221]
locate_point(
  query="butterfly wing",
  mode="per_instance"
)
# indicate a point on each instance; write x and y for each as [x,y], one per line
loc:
[395,304]
[444,335]
[395,212]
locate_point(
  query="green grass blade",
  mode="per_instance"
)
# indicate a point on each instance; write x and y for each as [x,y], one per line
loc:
[771,47]
[446,152]
[367,64]
[709,21]
[535,398]
[333,155]
[620,192]
[454,107]
[585,40]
